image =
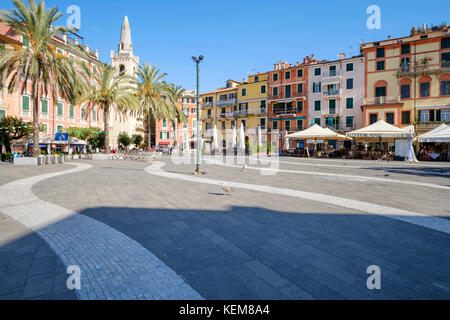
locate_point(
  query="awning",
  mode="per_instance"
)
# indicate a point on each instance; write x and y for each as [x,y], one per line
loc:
[316,132]
[382,129]
[440,134]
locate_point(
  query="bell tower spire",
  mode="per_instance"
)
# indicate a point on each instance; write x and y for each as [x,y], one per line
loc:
[125,37]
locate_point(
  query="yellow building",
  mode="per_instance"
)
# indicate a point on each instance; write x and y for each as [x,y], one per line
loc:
[408,79]
[217,109]
[252,102]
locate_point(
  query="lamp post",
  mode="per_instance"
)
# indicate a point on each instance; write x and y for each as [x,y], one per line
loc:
[197,61]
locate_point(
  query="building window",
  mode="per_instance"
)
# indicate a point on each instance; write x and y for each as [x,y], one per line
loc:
[373,118]
[60,109]
[300,88]
[445,60]
[350,84]
[2,114]
[406,117]
[164,124]
[299,106]
[332,106]
[349,122]
[223,125]
[59,129]
[263,106]
[349,104]
[445,88]
[244,92]
[390,117]
[288,91]
[380,65]
[275,92]
[256,78]
[349,67]
[317,71]
[445,43]
[83,114]
[44,128]
[425,89]
[275,125]
[317,87]
[263,89]
[275,77]
[406,48]
[424,116]
[44,106]
[287,125]
[287,75]
[317,105]
[405,90]
[380,92]
[317,121]
[445,115]
[299,125]
[380,52]
[300,73]
[25,103]
[94,115]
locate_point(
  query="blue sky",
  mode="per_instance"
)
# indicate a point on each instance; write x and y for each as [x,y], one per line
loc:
[238,37]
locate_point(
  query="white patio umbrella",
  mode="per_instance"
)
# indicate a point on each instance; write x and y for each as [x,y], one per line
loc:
[215,144]
[382,129]
[259,136]
[432,135]
[233,138]
[242,138]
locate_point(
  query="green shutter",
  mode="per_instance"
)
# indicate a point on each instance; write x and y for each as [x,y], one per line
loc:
[2,114]
[349,103]
[25,103]
[44,106]
[60,109]
[71,112]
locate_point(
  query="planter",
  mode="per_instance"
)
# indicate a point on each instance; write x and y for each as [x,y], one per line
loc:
[25,161]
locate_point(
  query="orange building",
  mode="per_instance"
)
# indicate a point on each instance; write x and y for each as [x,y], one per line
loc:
[288,97]
[407,80]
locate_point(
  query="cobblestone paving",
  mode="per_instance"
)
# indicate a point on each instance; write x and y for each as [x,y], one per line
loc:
[112,265]
[261,246]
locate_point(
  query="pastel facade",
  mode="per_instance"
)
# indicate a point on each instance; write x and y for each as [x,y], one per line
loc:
[219,108]
[408,79]
[336,93]
[54,116]
[179,134]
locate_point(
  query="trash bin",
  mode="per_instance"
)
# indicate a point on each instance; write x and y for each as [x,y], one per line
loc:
[40,160]
[48,159]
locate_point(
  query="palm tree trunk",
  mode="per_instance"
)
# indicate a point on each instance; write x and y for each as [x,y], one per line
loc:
[149,131]
[107,148]
[36,148]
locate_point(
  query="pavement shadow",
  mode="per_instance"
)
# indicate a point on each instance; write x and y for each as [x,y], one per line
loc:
[251,253]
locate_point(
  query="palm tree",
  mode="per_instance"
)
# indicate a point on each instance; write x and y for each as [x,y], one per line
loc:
[38,62]
[175,94]
[154,101]
[112,91]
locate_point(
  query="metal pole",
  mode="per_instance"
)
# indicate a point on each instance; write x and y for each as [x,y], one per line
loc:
[198,117]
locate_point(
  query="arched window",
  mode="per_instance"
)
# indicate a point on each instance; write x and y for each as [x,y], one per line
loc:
[425,85]
[94,114]
[122,69]
[380,88]
[405,88]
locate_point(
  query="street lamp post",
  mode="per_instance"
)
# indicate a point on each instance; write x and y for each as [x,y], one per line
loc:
[197,61]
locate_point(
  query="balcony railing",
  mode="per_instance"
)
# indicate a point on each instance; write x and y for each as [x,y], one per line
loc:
[207,105]
[284,110]
[445,64]
[226,102]
[26,113]
[332,93]
[281,96]
[382,100]
[331,74]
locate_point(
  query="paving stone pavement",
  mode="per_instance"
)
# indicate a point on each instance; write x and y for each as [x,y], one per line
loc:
[112,265]
[254,246]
